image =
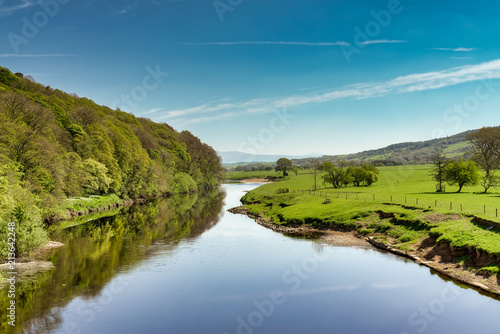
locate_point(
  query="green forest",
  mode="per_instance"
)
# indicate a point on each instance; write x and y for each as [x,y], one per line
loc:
[56,147]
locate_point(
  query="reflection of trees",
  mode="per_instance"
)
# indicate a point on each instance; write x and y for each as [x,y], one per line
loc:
[95,250]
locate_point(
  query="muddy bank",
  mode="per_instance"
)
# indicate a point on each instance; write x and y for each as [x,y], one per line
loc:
[441,257]
[329,236]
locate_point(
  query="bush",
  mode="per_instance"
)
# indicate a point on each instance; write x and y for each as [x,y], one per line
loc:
[183,183]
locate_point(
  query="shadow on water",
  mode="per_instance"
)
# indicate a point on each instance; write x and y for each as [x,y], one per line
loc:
[96,251]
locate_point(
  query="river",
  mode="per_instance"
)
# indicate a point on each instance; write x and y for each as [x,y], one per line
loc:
[185,265]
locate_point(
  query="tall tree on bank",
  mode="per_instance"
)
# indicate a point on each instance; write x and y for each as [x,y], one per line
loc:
[486,153]
[438,170]
[462,173]
[284,165]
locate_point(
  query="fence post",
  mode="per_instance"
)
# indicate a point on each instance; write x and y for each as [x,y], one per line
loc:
[391,198]
[405,199]
[417,201]
[436,203]
[460,207]
[356,196]
[451,205]
[373,196]
[485,209]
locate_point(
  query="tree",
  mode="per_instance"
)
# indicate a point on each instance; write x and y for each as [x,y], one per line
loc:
[283,165]
[438,170]
[462,173]
[486,153]
[332,175]
[315,168]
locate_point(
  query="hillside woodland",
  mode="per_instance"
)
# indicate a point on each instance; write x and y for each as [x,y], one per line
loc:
[56,146]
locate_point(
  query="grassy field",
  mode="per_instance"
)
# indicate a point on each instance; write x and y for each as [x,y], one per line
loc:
[233,175]
[409,185]
[358,208]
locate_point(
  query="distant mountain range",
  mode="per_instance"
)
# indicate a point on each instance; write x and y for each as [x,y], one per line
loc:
[232,157]
[397,154]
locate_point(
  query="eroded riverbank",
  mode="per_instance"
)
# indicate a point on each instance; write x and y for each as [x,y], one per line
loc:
[439,256]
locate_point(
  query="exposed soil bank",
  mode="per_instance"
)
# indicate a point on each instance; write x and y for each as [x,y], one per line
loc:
[437,256]
[31,265]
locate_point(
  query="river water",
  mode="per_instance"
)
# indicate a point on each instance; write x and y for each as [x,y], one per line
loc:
[185,265]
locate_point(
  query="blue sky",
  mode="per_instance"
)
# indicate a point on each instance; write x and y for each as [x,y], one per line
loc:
[270,77]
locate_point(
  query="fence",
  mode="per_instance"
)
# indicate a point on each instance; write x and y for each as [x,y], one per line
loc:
[411,201]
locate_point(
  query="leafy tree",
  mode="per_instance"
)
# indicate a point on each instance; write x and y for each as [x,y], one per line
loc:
[462,173]
[97,180]
[333,174]
[439,162]
[315,168]
[284,165]
[486,153]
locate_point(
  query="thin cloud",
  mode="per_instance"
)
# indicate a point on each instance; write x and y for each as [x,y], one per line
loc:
[383,41]
[461,49]
[20,55]
[338,43]
[152,111]
[9,7]
[124,10]
[404,84]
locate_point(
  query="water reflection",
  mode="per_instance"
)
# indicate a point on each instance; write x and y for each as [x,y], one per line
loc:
[97,251]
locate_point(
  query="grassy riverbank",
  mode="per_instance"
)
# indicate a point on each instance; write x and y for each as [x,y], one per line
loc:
[464,241]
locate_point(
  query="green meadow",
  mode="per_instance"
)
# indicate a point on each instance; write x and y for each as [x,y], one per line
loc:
[409,185]
[260,174]
[396,193]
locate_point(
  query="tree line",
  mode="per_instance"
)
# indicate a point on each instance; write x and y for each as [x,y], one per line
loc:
[339,174]
[54,146]
[485,156]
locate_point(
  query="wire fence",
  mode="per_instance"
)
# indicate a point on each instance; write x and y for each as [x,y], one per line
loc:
[410,201]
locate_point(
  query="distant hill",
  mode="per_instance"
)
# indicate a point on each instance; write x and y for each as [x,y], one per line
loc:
[233,157]
[410,153]
[405,153]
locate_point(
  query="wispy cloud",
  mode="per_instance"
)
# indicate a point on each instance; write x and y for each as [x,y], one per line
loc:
[337,43]
[383,41]
[8,7]
[466,58]
[404,84]
[20,55]
[455,49]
